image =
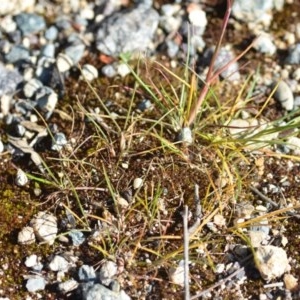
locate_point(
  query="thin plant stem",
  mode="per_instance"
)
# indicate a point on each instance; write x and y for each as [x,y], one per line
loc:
[211,74]
[186,253]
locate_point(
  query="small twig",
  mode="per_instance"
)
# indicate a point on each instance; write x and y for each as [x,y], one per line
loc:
[222,281]
[198,211]
[267,199]
[186,253]
[263,197]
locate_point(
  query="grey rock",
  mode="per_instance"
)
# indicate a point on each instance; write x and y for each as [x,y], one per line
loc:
[99,292]
[293,57]
[130,31]
[232,72]
[252,11]
[51,33]
[284,95]
[271,262]
[185,135]
[35,284]
[86,273]
[17,54]
[264,44]
[75,52]
[172,48]
[59,141]
[46,99]
[48,51]
[109,71]
[77,237]
[59,264]
[30,23]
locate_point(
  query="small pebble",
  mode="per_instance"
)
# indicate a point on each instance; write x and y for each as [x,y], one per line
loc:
[59,263]
[86,273]
[137,183]
[45,227]
[89,72]
[284,95]
[21,178]
[26,236]
[107,272]
[68,286]
[35,284]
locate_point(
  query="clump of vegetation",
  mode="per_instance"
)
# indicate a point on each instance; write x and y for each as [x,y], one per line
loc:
[184,158]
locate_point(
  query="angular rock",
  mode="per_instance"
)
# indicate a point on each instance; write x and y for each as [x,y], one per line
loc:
[45,227]
[35,284]
[271,262]
[129,31]
[26,236]
[30,23]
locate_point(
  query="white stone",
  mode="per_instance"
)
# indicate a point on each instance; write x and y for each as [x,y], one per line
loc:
[64,62]
[89,72]
[68,286]
[271,261]
[176,275]
[293,143]
[197,17]
[284,95]
[137,183]
[1,146]
[108,270]
[45,227]
[21,178]
[123,70]
[31,87]
[31,261]
[58,264]
[26,236]
[5,104]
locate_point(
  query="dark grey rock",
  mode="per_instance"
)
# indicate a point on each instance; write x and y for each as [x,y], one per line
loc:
[86,273]
[30,23]
[144,105]
[293,57]
[128,31]
[17,54]
[9,80]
